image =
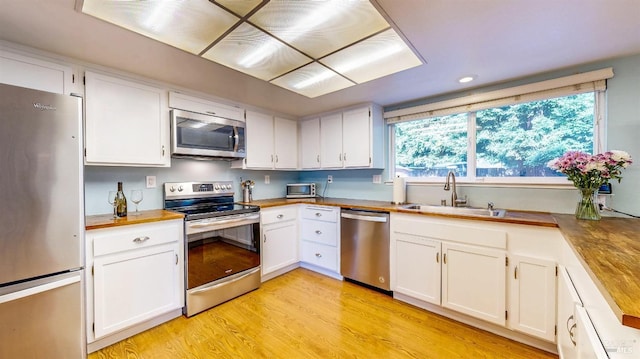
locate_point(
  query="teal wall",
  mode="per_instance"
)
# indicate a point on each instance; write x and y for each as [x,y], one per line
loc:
[623,133]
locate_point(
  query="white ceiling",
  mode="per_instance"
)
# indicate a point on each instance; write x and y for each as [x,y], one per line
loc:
[497,40]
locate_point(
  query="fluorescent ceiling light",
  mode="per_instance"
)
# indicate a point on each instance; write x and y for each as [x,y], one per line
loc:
[312,47]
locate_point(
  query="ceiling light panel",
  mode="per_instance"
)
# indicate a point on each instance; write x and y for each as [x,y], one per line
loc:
[318,28]
[378,56]
[249,50]
[312,81]
[240,8]
[188,25]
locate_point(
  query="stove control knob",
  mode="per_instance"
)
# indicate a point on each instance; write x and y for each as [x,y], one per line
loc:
[172,189]
[229,187]
[216,187]
[180,188]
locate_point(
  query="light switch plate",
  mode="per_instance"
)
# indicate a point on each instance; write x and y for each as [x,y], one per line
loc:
[267,179]
[151,181]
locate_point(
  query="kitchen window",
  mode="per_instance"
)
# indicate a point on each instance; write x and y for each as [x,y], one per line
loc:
[508,137]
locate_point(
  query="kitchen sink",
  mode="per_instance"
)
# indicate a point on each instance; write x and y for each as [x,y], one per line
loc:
[467,211]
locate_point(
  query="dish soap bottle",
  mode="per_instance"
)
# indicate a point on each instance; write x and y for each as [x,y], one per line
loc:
[121,202]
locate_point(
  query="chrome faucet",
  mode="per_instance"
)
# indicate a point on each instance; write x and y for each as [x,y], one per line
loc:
[451,178]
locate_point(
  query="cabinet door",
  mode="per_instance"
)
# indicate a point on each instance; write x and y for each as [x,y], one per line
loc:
[331,141]
[286,143]
[532,300]
[417,267]
[588,342]
[126,123]
[568,300]
[473,281]
[133,286]
[310,143]
[356,138]
[279,246]
[259,134]
[23,71]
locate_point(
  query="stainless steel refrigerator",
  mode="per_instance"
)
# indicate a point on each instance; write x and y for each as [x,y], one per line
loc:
[41,225]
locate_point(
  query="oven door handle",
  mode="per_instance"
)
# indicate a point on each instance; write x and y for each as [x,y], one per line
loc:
[255,219]
[211,286]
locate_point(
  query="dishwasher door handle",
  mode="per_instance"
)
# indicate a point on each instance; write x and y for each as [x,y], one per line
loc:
[364,218]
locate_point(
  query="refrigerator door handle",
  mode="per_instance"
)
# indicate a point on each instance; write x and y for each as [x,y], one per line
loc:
[38,289]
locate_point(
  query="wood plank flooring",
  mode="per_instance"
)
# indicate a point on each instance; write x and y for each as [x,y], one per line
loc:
[303,314]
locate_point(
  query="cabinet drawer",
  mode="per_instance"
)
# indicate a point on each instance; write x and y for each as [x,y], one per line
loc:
[194,104]
[113,240]
[278,214]
[327,214]
[320,255]
[320,232]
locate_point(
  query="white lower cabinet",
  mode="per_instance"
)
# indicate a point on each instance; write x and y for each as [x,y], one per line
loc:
[532,299]
[279,239]
[473,281]
[134,274]
[417,267]
[319,235]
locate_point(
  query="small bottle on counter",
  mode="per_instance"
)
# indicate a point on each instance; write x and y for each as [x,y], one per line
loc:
[121,202]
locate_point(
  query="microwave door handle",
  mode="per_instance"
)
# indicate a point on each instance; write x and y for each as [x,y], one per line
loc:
[235,139]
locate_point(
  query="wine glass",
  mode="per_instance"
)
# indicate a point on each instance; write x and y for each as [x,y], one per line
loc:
[112,201]
[136,197]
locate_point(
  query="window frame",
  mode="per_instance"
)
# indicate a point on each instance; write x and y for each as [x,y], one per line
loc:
[562,89]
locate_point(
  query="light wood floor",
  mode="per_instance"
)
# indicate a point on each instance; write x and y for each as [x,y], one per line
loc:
[303,314]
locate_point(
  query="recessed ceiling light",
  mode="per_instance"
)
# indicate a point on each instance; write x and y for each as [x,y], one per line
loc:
[465,79]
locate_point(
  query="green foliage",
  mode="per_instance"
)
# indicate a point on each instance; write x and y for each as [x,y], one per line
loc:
[515,140]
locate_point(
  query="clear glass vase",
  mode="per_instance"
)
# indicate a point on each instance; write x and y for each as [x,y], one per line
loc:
[587,207]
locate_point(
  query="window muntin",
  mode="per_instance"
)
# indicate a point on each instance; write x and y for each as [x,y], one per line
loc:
[509,144]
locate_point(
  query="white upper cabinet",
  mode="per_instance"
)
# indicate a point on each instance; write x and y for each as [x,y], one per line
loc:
[348,139]
[33,73]
[331,141]
[126,123]
[310,144]
[285,143]
[207,107]
[272,143]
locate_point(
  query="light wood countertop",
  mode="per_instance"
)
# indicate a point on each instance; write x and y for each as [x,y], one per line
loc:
[609,249]
[107,220]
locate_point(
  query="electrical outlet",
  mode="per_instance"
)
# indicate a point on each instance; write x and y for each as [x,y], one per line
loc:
[329,179]
[151,181]
[377,179]
[267,179]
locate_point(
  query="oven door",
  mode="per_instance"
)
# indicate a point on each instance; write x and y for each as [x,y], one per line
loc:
[197,135]
[223,260]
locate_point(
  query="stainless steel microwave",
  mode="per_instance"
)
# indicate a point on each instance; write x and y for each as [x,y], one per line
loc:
[208,137]
[301,190]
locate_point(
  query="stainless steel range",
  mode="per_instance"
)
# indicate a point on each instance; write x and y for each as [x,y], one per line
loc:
[222,248]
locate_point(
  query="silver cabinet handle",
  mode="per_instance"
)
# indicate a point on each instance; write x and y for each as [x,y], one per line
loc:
[318,158]
[140,239]
[271,158]
[265,238]
[280,216]
[344,157]
[340,157]
[176,258]
[318,231]
[437,257]
[318,214]
[515,273]
[444,258]
[276,158]
[318,255]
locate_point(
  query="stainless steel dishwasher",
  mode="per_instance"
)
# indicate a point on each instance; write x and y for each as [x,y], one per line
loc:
[364,247]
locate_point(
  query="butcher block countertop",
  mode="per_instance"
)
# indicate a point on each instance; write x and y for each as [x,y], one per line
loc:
[610,251]
[107,220]
[609,248]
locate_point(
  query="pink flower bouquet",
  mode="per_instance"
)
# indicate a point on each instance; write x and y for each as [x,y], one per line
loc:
[592,171]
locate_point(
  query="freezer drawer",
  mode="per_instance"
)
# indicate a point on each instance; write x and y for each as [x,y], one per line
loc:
[43,318]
